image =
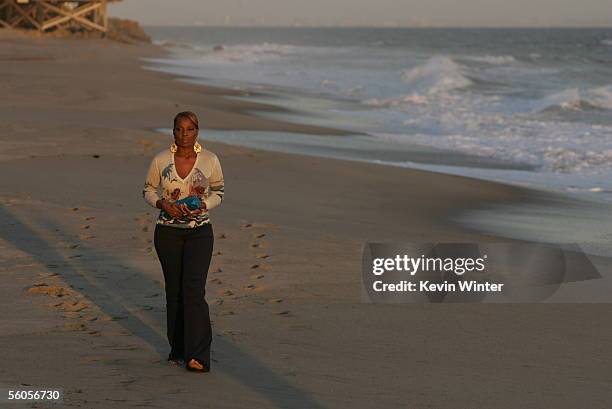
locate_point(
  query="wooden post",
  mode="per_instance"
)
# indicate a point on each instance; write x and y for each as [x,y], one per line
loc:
[104,18]
[3,6]
[9,12]
[96,16]
[40,16]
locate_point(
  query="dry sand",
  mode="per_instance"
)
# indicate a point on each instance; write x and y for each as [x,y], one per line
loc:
[82,300]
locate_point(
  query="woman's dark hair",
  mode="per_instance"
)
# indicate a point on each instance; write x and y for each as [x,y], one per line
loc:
[187,115]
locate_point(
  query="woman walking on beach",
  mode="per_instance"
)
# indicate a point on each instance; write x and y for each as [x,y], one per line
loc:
[191,184]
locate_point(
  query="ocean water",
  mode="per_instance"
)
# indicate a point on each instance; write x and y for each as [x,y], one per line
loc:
[526,106]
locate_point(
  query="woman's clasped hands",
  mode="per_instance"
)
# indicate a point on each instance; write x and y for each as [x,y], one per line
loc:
[180,210]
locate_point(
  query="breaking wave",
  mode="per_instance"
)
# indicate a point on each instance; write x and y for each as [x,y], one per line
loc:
[438,74]
[575,99]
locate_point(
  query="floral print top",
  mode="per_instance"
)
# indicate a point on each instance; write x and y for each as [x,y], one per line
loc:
[205,180]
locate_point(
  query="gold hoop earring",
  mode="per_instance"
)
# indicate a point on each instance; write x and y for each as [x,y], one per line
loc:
[197,148]
[173,148]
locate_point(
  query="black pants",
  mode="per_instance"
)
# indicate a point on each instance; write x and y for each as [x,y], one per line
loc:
[185,256]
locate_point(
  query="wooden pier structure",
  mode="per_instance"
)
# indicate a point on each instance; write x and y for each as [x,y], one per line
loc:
[50,15]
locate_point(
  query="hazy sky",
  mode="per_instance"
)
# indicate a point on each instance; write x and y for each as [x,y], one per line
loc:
[368,12]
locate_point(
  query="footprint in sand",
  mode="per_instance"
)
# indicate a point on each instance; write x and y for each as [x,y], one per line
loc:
[216,281]
[48,275]
[247,226]
[51,290]
[234,335]
[258,276]
[260,267]
[275,300]
[257,243]
[72,306]
[86,226]
[262,256]
[88,218]
[75,326]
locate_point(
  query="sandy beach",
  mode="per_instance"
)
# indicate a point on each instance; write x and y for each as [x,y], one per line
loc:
[83,300]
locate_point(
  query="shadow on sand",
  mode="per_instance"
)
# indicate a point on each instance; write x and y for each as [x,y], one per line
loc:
[120,299]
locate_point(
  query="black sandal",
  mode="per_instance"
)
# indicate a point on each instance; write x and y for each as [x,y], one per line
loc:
[205,367]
